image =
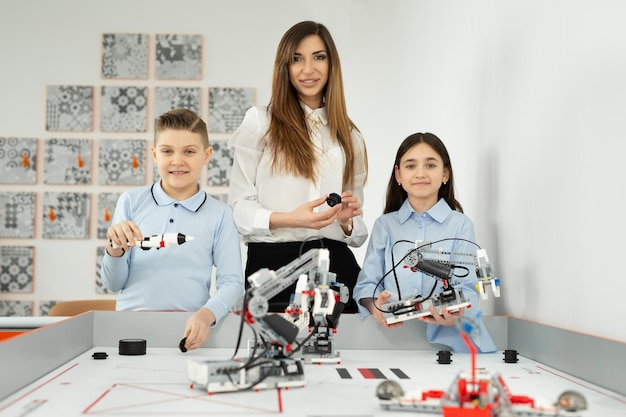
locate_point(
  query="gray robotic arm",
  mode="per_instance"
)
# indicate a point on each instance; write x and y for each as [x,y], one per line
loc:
[318,300]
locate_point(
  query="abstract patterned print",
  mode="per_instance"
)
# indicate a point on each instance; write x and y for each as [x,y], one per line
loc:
[220,164]
[66,215]
[227,107]
[16,268]
[100,288]
[179,57]
[16,308]
[124,55]
[67,161]
[69,108]
[122,162]
[18,160]
[17,214]
[106,208]
[170,98]
[123,109]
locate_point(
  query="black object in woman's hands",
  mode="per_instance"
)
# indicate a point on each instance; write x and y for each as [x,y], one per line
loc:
[333,199]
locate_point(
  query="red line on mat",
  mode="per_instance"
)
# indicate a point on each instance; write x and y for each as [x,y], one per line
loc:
[37,387]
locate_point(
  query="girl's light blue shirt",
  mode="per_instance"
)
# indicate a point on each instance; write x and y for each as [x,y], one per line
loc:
[440,222]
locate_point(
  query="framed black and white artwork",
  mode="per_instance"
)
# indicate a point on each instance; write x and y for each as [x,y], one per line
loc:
[228,106]
[178,57]
[18,160]
[69,108]
[125,56]
[123,109]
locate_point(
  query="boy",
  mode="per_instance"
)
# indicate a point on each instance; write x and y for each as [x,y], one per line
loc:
[176,278]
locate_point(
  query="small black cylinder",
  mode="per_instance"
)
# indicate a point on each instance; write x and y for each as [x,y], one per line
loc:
[132,347]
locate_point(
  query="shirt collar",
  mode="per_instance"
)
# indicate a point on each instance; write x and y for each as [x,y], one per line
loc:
[318,115]
[193,203]
[439,212]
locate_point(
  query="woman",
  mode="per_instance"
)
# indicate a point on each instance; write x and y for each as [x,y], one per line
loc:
[291,155]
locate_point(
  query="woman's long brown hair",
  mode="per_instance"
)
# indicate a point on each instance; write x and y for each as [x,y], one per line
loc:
[288,134]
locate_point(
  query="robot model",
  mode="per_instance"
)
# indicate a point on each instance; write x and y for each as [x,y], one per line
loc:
[477,393]
[485,278]
[317,303]
[424,259]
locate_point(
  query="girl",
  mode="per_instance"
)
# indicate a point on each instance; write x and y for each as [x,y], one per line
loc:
[420,206]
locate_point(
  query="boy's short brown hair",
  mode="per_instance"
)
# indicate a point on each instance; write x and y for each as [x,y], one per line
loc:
[182,119]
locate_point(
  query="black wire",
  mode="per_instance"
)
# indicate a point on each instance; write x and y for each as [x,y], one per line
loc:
[253,361]
[395,275]
[310,239]
[395,265]
[393,269]
[454,267]
[256,336]
[240,335]
[271,362]
[263,378]
[252,357]
[418,299]
[306,339]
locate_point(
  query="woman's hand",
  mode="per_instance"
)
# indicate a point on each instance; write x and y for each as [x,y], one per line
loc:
[350,207]
[305,216]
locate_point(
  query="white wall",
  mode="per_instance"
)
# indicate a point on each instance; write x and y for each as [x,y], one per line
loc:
[528,96]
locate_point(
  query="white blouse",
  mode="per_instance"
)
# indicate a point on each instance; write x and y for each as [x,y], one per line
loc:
[256,190]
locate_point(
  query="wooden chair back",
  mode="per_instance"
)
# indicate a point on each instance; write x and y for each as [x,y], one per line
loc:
[72,308]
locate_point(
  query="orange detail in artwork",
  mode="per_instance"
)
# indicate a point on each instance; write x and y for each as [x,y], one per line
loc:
[25,160]
[135,162]
[51,214]
[107,215]
[79,161]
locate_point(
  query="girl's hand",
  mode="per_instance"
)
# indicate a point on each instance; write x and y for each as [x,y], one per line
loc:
[376,308]
[445,318]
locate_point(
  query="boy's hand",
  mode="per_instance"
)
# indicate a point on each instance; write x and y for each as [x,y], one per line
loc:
[122,237]
[198,328]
